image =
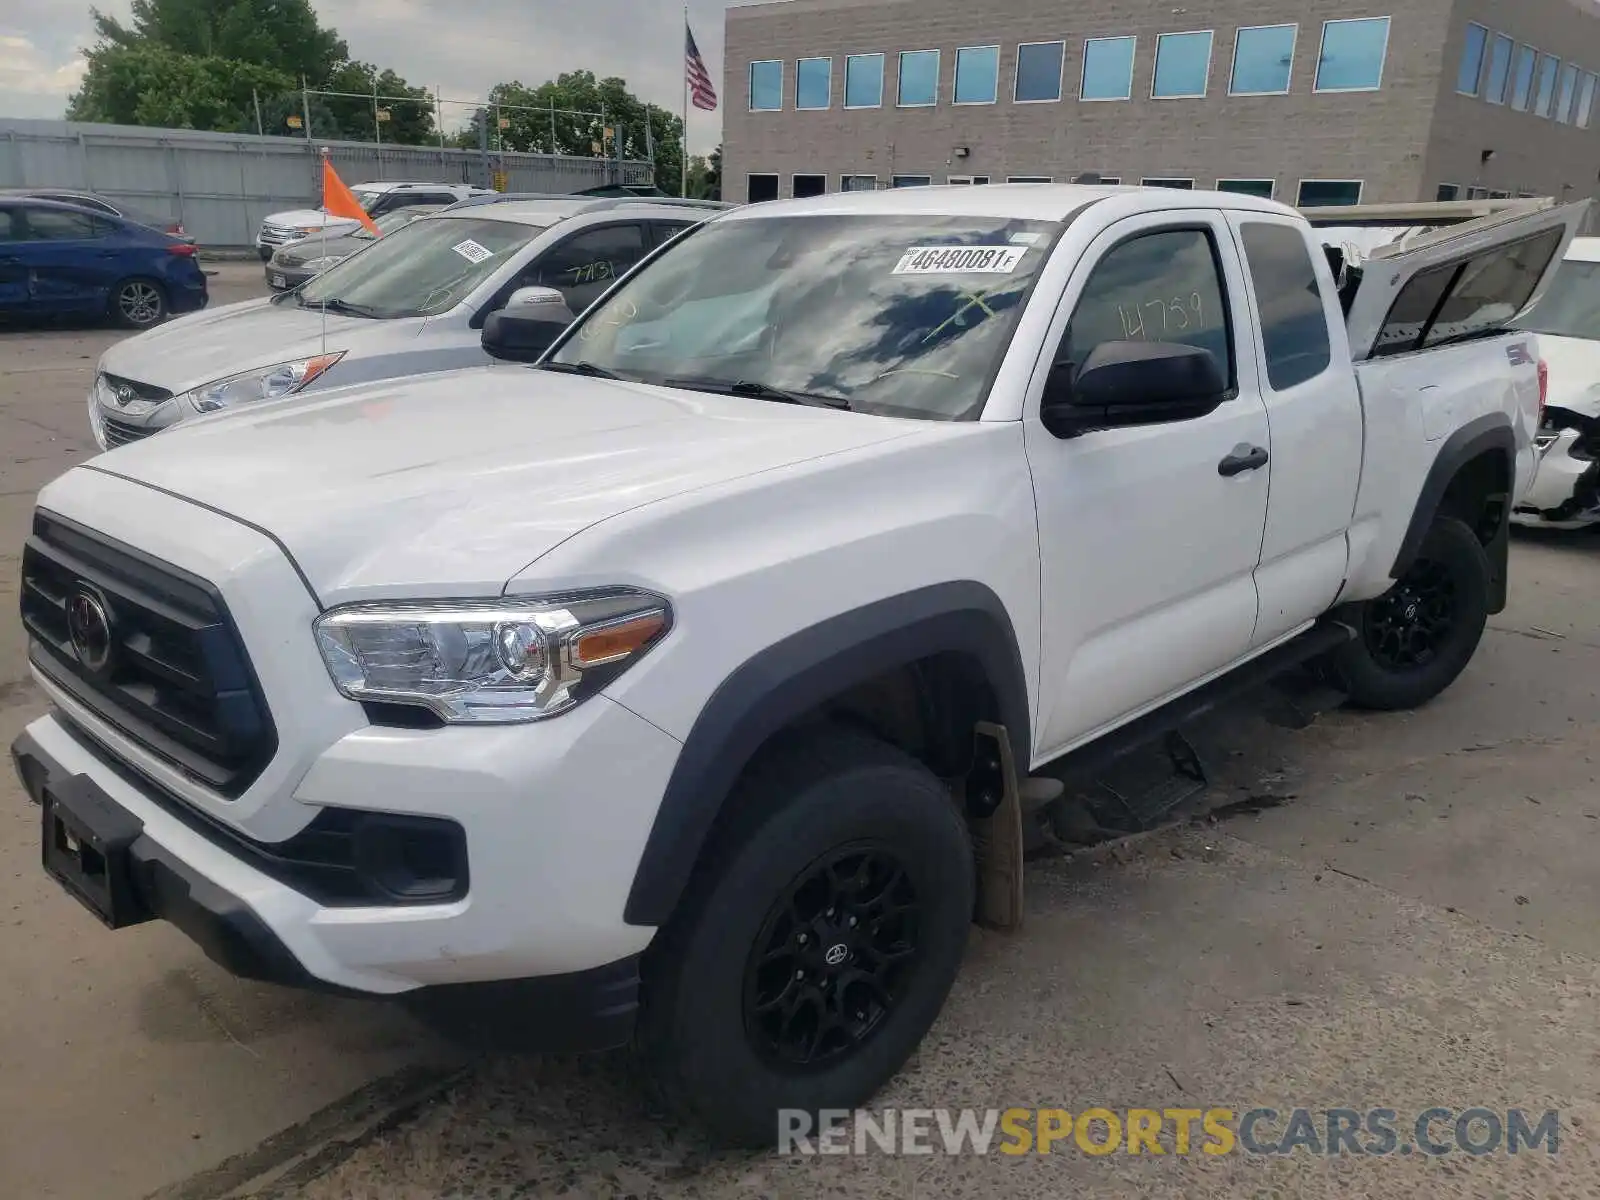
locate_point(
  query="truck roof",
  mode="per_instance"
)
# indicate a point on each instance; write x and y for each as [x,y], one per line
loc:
[1020,201]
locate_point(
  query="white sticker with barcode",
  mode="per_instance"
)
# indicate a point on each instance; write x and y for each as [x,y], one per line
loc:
[960,260]
[472,251]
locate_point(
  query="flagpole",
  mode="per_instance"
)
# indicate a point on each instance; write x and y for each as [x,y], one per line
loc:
[324,236]
[683,189]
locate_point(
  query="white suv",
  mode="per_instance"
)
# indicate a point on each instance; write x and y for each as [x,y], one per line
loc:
[281,228]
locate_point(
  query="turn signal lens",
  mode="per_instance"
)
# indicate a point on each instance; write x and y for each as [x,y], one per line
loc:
[611,645]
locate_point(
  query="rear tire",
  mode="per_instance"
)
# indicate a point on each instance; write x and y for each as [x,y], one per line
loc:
[138,304]
[1413,641]
[806,965]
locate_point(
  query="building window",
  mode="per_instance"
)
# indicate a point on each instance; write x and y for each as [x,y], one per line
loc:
[766,86]
[1477,193]
[1499,195]
[919,78]
[858,183]
[1294,323]
[1585,101]
[1568,99]
[1471,74]
[1263,188]
[1522,90]
[1028,179]
[1263,60]
[1448,191]
[1322,193]
[1499,69]
[904,181]
[1110,181]
[810,185]
[1183,66]
[863,81]
[761,187]
[1108,68]
[1352,55]
[967,180]
[1549,69]
[1039,67]
[813,83]
[977,75]
[1177,185]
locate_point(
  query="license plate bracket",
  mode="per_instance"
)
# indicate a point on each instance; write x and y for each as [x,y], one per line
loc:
[87,841]
[279,281]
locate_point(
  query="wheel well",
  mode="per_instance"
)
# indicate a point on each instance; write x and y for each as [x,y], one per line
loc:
[926,709]
[1479,494]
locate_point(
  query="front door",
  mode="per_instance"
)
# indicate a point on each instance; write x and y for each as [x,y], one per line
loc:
[1148,550]
[584,267]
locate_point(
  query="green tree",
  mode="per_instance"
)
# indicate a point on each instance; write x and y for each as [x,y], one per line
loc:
[283,35]
[151,85]
[204,64]
[575,127]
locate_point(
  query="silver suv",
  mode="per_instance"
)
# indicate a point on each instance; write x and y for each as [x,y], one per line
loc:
[412,302]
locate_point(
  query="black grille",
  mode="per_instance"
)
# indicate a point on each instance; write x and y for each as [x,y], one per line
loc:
[120,433]
[144,391]
[176,678]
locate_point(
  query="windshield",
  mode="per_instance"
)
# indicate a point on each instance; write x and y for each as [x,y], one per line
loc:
[390,221]
[1571,306]
[421,269]
[897,315]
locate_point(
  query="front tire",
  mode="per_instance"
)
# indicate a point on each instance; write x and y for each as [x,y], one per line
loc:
[803,970]
[1414,640]
[138,304]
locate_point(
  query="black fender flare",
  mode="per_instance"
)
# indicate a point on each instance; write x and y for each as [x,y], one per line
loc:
[1487,434]
[795,676]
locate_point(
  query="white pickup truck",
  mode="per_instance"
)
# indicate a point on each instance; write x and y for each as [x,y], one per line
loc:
[685,685]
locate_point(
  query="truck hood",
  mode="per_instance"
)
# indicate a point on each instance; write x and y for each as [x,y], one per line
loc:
[219,342]
[449,485]
[1574,373]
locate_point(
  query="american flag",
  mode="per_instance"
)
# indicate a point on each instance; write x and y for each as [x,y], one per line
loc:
[701,91]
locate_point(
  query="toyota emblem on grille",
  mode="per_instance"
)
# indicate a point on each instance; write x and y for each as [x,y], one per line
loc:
[89,626]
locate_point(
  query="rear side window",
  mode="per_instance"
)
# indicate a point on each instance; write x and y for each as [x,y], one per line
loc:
[10,227]
[1467,299]
[1294,324]
[1164,286]
[59,225]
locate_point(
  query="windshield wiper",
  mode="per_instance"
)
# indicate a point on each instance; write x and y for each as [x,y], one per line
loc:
[340,306]
[759,391]
[579,368]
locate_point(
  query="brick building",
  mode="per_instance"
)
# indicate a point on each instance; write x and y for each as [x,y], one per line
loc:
[1310,101]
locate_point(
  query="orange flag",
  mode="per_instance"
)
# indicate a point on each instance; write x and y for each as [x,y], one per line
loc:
[340,201]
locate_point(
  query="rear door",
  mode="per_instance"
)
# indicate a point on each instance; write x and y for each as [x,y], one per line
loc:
[1462,282]
[13,274]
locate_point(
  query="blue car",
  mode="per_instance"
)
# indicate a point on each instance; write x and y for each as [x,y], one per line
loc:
[57,260]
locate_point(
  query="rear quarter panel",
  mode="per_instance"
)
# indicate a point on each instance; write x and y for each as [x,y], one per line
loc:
[1412,404]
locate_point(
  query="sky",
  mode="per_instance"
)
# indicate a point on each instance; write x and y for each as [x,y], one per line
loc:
[431,43]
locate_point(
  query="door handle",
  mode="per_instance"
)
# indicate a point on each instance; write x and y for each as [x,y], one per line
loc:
[1244,458]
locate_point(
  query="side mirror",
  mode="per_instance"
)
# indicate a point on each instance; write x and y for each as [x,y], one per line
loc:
[1124,384]
[527,326]
[538,297]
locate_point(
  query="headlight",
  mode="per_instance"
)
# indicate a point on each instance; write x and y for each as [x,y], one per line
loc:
[322,264]
[266,383]
[490,662]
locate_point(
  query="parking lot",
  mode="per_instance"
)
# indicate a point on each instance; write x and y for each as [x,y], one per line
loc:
[1387,912]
